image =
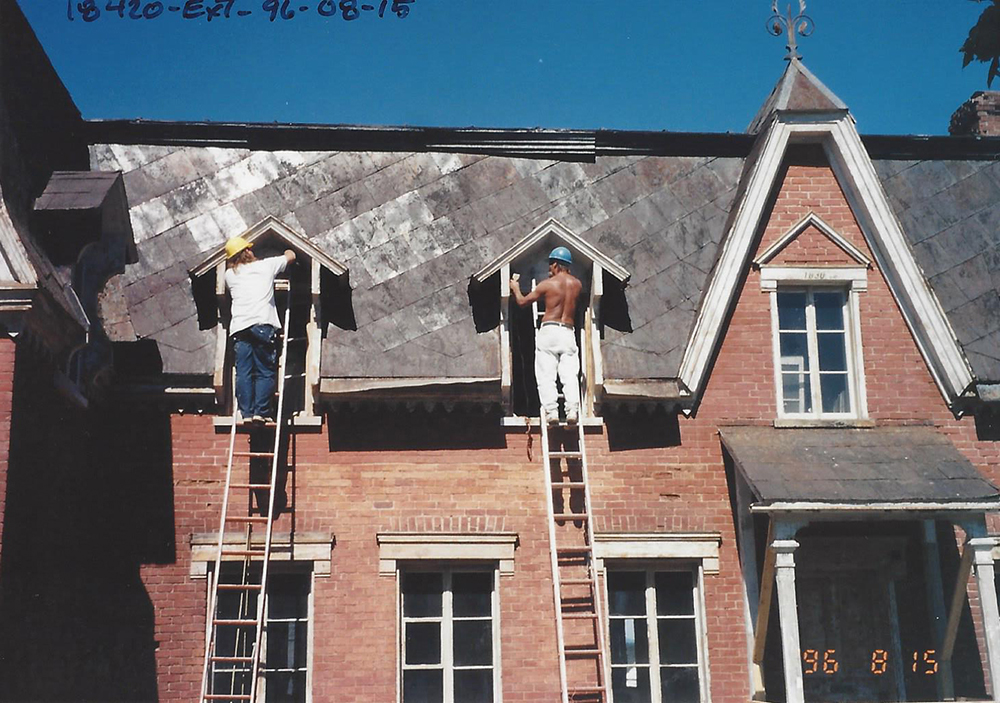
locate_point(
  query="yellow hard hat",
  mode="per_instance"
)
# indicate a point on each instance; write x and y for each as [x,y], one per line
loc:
[234,245]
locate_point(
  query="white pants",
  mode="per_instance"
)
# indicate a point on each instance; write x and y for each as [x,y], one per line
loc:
[555,351]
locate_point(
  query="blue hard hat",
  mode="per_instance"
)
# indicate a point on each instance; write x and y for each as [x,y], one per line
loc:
[561,254]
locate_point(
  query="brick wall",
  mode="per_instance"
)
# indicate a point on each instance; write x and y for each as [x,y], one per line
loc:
[978,116]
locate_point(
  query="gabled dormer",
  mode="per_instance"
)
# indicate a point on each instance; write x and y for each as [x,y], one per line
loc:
[802,113]
[529,258]
[313,279]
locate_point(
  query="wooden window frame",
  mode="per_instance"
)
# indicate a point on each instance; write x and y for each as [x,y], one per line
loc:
[650,568]
[304,569]
[851,281]
[447,620]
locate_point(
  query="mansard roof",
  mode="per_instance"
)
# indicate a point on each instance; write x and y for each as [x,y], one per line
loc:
[412,225]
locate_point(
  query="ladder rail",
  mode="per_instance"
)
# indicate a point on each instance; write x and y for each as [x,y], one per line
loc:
[279,423]
[556,585]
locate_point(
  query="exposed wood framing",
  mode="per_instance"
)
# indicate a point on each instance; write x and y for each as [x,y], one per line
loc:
[764,600]
[505,322]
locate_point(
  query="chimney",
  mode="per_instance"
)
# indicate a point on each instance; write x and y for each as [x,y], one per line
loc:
[979,116]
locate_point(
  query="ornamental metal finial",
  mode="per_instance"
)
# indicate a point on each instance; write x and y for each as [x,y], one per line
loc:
[801,24]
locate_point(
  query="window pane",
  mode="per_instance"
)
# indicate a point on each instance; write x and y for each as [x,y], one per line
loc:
[629,641]
[237,682]
[677,642]
[474,686]
[233,605]
[286,687]
[832,351]
[631,685]
[471,594]
[234,641]
[794,351]
[423,686]
[286,645]
[287,596]
[829,310]
[796,392]
[679,685]
[833,387]
[423,643]
[627,590]
[421,595]
[791,311]
[473,642]
[674,593]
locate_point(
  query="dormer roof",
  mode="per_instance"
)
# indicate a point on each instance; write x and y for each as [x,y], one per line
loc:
[272,225]
[798,90]
[553,228]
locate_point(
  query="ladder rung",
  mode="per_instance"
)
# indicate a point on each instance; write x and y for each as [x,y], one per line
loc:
[565,455]
[583,652]
[576,582]
[295,375]
[297,339]
[245,518]
[568,484]
[570,516]
[233,660]
[580,616]
[227,696]
[589,690]
[252,486]
[253,454]
[243,552]
[239,586]
[238,623]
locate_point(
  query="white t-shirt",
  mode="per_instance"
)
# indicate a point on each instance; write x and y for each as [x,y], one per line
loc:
[252,289]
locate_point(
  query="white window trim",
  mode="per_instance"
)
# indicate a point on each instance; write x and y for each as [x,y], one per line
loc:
[853,280]
[662,546]
[446,547]
[447,617]
[312,547]
[448,551]
[695,551]
[310,633]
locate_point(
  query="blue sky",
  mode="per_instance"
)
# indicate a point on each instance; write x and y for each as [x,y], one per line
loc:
[689,65]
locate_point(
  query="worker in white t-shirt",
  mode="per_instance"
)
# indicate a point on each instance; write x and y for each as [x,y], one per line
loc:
[254,326]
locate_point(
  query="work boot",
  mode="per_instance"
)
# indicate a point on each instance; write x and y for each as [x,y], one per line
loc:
[572,417]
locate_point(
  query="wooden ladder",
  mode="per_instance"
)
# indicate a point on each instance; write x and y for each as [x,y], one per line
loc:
[579,622]
[234,633]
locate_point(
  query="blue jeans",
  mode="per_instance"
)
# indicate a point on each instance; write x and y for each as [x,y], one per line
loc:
[256,355]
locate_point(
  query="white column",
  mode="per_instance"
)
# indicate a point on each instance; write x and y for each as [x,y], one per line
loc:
[986,580]
[788,615]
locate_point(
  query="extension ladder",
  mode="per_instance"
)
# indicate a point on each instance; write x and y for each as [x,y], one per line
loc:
[582,670]
[234,632]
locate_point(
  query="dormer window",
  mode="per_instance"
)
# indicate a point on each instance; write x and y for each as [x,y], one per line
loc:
[306,280]
[816,331]
[517,326]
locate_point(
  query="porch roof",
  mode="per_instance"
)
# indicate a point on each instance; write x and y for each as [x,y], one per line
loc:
[912,467]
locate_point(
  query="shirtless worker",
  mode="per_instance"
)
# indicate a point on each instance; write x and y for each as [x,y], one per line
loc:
[254,326]
[555,342]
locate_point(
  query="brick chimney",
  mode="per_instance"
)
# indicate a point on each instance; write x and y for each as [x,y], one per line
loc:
[979,116]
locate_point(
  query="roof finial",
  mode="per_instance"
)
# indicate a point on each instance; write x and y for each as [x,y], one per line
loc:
[801,24]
